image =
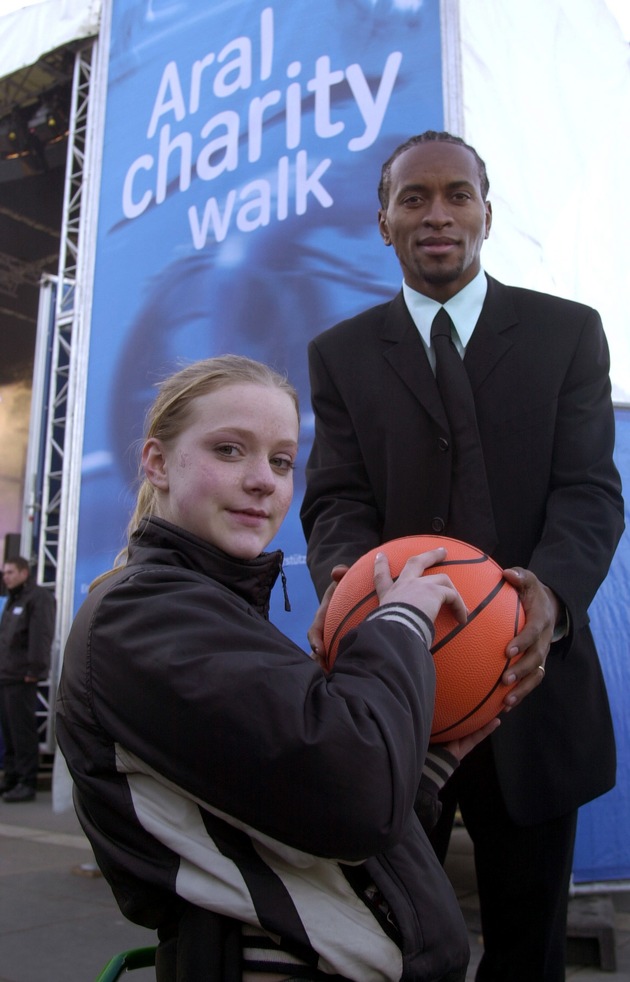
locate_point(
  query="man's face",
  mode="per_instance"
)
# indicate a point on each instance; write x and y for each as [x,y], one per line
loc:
[13,576]
[436,218]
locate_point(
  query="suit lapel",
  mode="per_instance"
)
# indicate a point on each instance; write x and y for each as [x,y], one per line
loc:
[491,340]
[405,353]
[493,335]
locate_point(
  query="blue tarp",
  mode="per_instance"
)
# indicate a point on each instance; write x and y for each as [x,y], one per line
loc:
[603,842]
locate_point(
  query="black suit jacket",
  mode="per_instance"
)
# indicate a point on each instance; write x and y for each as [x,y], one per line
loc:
[380,468]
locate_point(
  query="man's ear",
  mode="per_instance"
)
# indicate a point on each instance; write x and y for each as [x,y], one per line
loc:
[488,219]
[154,464]
[383,227]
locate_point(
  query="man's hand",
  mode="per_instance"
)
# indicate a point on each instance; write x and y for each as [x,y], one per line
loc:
[541,608]
[315,633]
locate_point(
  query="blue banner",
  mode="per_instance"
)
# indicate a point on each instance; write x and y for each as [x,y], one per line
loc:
[602,850]
[237,213]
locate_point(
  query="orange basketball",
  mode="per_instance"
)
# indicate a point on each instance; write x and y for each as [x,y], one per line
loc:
[469,658]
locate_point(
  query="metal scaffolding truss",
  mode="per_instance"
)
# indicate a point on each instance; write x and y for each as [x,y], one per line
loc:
[16,272]
[49,526]
[59,411]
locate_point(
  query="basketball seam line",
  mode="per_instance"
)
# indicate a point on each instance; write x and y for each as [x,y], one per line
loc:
[471,616]
[370,596]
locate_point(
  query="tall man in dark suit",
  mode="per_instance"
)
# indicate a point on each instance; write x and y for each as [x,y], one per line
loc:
[382,467]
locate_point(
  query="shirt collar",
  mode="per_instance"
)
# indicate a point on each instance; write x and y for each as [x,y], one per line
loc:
[464,308]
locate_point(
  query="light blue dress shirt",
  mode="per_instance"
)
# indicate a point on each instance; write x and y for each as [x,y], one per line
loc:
[463,309]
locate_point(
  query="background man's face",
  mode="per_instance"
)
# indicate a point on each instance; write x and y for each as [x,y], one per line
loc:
[13,576]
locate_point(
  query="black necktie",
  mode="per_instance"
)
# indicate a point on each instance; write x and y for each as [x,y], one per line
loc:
[470,510]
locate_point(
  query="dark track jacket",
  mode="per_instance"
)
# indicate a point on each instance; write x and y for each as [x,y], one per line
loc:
[26,633]
[216,764]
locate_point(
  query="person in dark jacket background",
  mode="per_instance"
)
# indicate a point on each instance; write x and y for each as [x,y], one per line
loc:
[256,811]
[26,634]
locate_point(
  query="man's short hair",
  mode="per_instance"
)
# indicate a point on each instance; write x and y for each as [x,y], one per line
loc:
[19,562]
[429,136]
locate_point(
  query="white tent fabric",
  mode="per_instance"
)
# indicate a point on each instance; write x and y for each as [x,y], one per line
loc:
[31,28]
[546,102]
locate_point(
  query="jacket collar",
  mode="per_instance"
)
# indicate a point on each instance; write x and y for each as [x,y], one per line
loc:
[490,341]
[493,335]
[22,590]
[157,542]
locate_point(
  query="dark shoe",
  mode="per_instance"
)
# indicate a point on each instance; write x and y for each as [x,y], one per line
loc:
[21,792]
[7,784]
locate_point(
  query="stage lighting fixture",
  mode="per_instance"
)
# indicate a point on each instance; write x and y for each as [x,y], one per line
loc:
[14,138]
[48,122]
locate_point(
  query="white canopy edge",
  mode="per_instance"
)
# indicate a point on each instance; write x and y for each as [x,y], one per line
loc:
[546,102]
[29,30]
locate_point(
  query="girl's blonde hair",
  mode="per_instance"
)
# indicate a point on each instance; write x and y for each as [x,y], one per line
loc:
[170,412]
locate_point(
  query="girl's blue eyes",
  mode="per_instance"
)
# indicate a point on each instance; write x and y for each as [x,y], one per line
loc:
[282,463]
[231,451]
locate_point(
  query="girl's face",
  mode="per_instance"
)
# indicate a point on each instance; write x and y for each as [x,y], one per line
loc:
[228,477]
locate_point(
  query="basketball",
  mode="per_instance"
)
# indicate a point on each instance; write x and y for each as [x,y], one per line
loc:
[469,658]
